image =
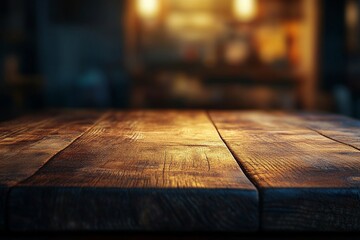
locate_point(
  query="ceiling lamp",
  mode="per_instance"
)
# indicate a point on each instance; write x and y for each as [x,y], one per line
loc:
[148,9]
[245,10]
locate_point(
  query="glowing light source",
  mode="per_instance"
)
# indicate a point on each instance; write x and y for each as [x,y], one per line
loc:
[148,8]
[245,10]
[352,14]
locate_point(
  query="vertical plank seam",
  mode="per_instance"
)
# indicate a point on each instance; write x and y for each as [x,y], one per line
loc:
[7,200]
[248,176]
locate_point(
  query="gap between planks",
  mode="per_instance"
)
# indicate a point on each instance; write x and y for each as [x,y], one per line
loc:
[238,161]
[302,123]
[101,117]
[333,139]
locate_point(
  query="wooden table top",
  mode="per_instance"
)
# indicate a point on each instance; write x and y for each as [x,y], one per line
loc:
[180,171]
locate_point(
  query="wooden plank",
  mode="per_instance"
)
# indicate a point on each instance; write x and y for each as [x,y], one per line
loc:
[306,181]
[338,128]
[140,170]
[26,144]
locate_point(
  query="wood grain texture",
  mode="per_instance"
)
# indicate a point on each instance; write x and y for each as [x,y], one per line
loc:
[26,144]
[339,128]
[140,170]
[306,181]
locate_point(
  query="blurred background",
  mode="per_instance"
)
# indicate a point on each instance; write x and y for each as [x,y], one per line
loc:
[228,54]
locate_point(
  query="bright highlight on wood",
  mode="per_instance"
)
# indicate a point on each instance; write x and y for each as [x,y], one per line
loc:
[180,171]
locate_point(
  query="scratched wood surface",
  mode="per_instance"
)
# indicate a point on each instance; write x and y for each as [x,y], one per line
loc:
[305,167]
[170,170]
[139,170]
[27,143]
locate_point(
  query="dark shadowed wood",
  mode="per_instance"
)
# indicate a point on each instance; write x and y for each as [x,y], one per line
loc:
[306,181]
[27,143]
[140,171]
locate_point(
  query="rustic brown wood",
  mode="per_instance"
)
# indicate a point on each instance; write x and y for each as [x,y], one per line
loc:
[306,181]
[140,170]
[26,144]
[338,128]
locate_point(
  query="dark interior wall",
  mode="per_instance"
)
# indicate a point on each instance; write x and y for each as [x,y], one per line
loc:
[340,65]
[18,37]
[74,48]
[80,52]
[333,44]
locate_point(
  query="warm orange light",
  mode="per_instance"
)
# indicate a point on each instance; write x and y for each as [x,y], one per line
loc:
[148,8]
[352,14]
[245,10]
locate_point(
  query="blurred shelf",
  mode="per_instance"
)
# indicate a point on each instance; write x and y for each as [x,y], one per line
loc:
[224,74]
